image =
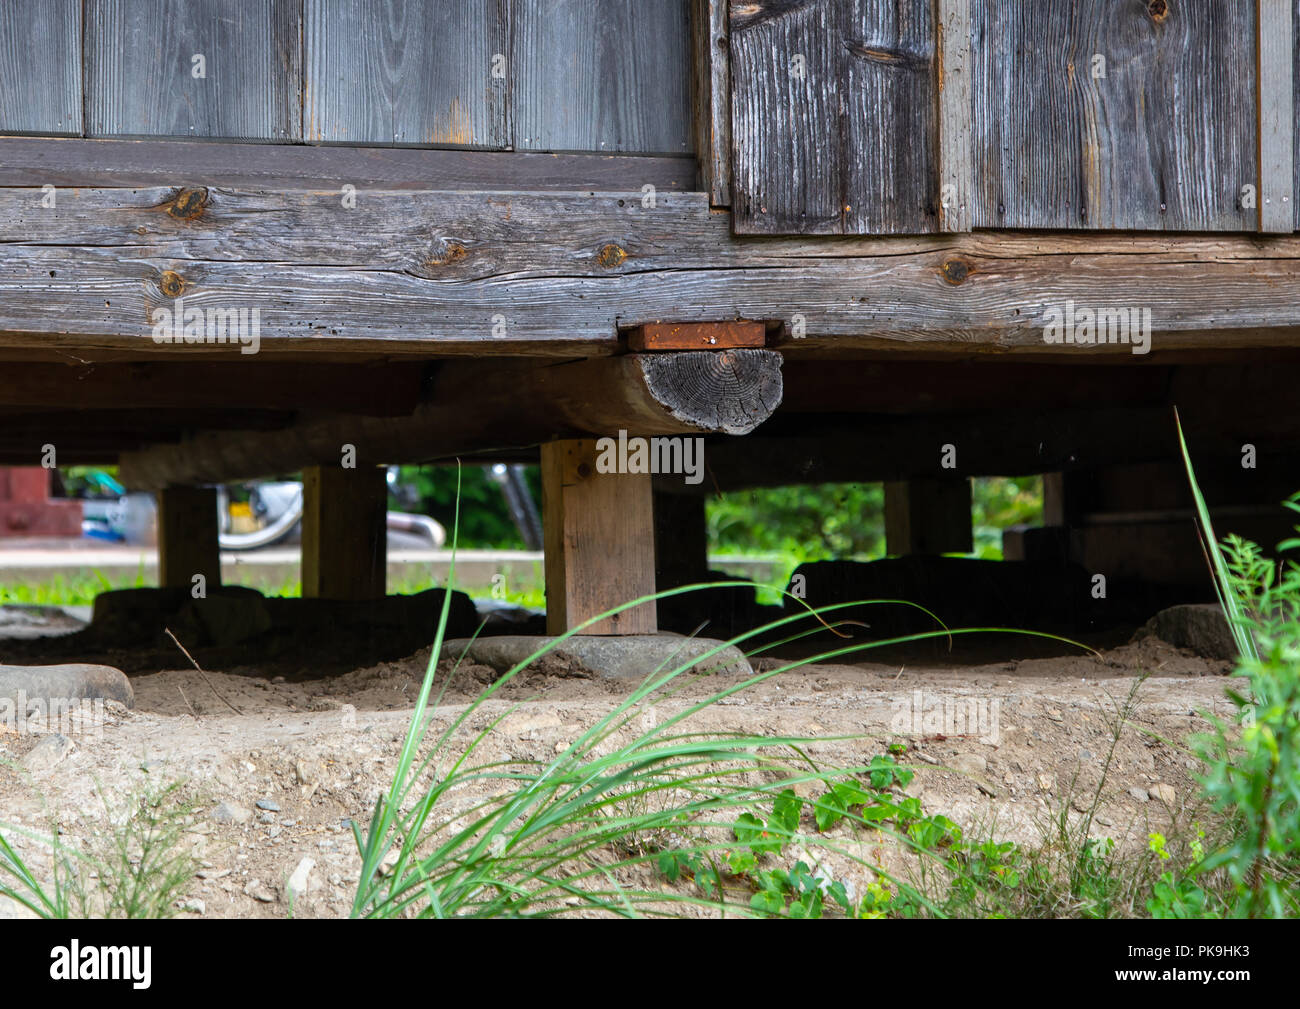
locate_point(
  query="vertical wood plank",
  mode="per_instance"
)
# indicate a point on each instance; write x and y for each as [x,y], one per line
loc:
[408,72]
[40,67]
[187,537]
[787,163]
[712,99]
[602,76]
[344,532]
[834,117]
[928,515]
[599,542]
[140,69]
[956,169]
[1165,140]
[890,120]
[1277,111]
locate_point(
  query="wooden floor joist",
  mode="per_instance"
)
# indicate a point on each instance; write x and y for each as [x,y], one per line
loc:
[599,542]
[477,406]
[344,532]
[188,552]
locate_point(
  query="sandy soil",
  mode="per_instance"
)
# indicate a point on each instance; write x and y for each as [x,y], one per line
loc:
[1003,745]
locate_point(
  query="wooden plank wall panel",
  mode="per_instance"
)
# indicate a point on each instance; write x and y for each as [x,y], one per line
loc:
[1276,117]
[787,165]
[139,69]
[40,67]
[1295,84]
[890,123]
[956,178]
[602,75]
[713,98]
[834,117]
[407,72]
[1166,140]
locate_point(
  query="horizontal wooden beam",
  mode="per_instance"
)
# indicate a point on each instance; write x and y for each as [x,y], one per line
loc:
[38,161]
[377,390]
[560,274]
[483,405]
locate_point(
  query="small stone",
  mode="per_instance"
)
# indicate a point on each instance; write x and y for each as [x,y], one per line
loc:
[268,804]
[1085,754]
[192,906]
[1140,794]
[228,812]
[970,763]
[48,752]
[212,873]
[298,881]
[265,818]
[1055,715]
[258,891]
[1046,782]
[1162,793]
[307,772]
[274,832]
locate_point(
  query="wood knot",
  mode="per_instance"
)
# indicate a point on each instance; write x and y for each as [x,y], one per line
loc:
[1158,9]
[188,204]
[611,256]
[445,253]
[172,283]
[955,271]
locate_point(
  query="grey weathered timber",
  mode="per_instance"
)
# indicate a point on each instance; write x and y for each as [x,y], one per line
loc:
[140,69]
[406,72]
[601,75]
[956,167]
[1277,112]
[1165,140]
[1295,84]
[40,67]
[30,161]
[480,405]
[562,273]
[712,98]
[833,117]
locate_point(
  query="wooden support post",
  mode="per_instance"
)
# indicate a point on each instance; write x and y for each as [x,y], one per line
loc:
[599,541]
[928,515]
[681,540]
[344,532]
[187,538]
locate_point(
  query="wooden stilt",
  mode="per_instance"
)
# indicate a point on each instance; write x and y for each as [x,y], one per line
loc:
[344,534]
[927,515]
[599,542]
[187,537]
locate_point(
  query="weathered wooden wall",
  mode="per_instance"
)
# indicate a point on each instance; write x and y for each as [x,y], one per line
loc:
[1165,140]
[833,117]
[40,67]
[859,117]
[540,75]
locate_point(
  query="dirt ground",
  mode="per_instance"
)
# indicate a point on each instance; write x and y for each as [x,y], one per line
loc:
[279,767]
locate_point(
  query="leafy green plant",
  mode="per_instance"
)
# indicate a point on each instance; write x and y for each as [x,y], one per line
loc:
[1253,761]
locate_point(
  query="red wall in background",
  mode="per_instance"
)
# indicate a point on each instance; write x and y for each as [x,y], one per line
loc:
[26,508]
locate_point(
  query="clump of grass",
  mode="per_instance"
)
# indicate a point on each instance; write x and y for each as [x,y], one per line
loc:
[1252,762]
[138,867]
[589,830]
